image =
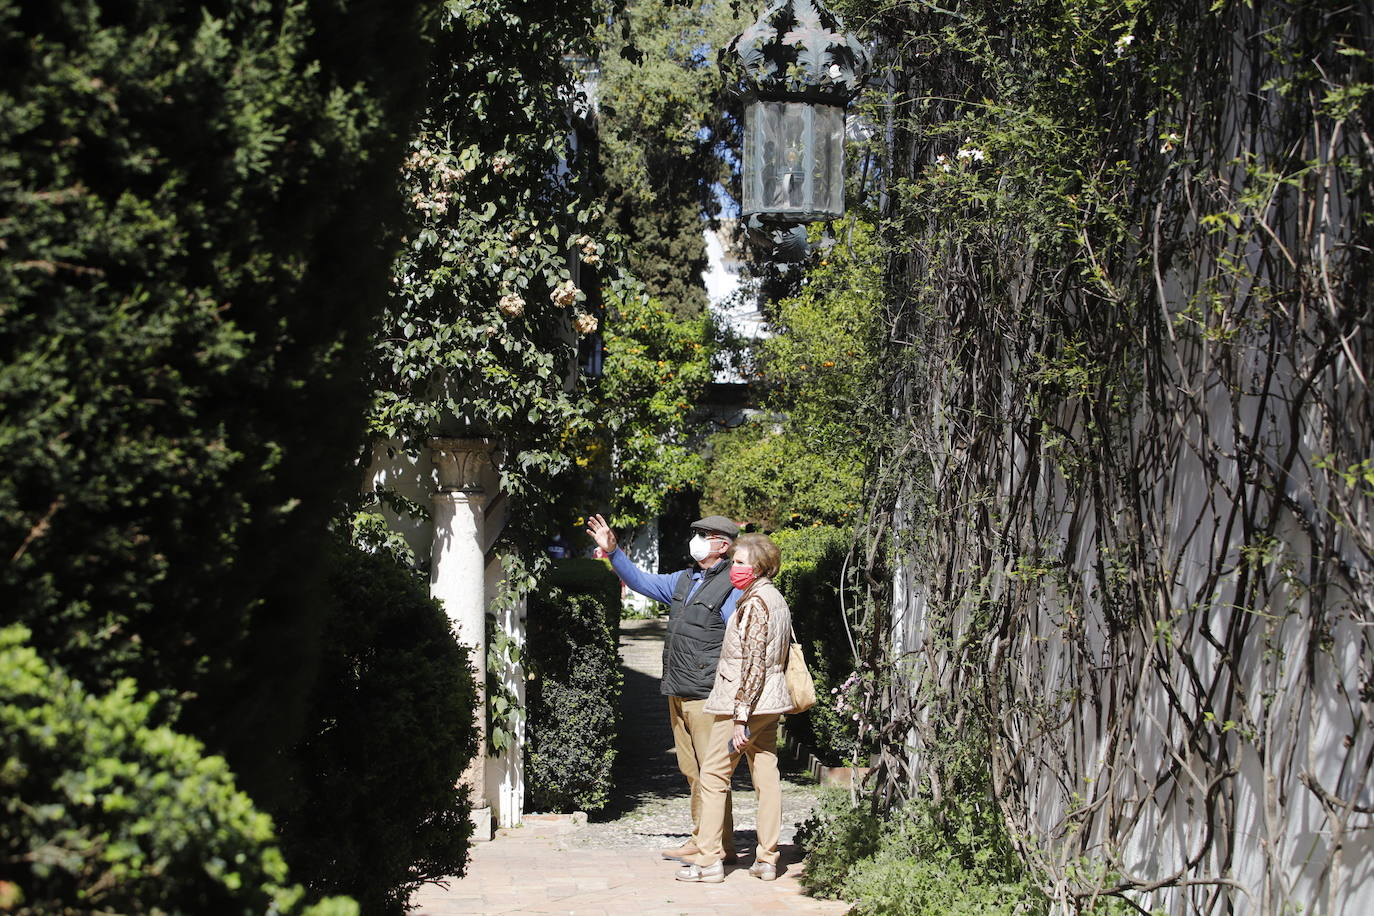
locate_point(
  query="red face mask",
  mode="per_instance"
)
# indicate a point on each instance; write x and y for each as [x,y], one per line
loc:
[741,577]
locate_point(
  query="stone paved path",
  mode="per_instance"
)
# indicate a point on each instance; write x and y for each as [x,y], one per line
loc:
[611,865]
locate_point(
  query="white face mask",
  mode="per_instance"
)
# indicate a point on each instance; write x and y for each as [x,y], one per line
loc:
[699,547]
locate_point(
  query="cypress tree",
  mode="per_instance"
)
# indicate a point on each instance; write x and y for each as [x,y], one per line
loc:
[195,202]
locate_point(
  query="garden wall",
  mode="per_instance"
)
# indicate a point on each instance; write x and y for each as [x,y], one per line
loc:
[1128,280]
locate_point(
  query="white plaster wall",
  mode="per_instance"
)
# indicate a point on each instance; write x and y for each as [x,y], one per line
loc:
[1282,852]
[412,477]
[642,548]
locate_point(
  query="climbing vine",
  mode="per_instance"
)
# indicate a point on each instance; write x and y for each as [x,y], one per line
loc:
[1121,541]
[491,291]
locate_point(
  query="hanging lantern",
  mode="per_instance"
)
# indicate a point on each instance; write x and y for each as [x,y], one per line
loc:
[798,72]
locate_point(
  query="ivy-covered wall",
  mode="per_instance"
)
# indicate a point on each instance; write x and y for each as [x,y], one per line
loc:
[1127,254]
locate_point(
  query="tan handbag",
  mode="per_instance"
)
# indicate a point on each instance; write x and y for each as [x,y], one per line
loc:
[800,687]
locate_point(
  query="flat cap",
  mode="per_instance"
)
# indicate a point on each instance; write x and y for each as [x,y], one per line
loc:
[719,524]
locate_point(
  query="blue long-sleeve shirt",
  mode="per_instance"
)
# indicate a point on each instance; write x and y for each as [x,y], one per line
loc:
[661,586]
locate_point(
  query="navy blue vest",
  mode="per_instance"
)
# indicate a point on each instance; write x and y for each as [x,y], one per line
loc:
[695,632]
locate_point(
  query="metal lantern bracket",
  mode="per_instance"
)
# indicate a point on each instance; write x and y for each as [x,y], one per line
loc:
[797,51]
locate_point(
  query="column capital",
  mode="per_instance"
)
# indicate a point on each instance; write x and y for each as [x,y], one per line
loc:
[460,462]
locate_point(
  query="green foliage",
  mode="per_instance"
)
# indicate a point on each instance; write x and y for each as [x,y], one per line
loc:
[837,836]
[810,579]
[481,336]
[664,130]
[104,811]
[573,700]
[379,809]
[594,578]
[657,101]
[497,291]
[819,375]
[917,860]
[804,552]
[194,209]
[572,575]
[821,365]
[657,367]
[504,712]
[768,477]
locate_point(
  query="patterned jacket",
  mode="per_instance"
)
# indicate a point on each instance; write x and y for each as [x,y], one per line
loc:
[749,679]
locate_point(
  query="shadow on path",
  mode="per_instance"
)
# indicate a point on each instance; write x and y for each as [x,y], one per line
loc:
[645,764]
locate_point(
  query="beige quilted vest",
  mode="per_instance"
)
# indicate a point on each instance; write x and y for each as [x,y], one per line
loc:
[774,697]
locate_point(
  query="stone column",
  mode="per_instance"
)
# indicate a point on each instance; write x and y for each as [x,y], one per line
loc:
[458,578]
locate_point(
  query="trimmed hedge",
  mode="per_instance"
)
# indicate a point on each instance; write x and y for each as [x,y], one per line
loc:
[770,478]
[573,699]
[379,810]
[106,812]
[585,576]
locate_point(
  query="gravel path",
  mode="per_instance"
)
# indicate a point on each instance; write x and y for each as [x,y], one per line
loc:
[651,806]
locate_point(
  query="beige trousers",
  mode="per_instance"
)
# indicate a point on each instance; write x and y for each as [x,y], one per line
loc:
[719,766]
[692,736]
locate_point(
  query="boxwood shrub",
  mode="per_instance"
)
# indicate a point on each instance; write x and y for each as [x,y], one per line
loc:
[378,810]
[103,810]
[573,697]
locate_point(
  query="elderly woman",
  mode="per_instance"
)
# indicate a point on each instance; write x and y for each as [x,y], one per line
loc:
[748,698]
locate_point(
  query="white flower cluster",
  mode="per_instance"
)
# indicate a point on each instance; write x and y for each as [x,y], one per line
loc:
[591,251]
[421,160]
[439,169]
[512,304]
[564,294]
[440,174]
[436,203]
[585,323]
[965,155]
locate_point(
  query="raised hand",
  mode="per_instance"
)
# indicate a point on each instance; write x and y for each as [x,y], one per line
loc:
[602,534]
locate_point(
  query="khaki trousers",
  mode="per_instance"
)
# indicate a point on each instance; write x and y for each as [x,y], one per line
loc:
[692,736]
[762,753]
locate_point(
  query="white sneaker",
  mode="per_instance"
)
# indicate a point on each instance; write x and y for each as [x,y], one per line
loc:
[707,874]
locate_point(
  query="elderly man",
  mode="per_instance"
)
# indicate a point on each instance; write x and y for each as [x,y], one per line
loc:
[700,600]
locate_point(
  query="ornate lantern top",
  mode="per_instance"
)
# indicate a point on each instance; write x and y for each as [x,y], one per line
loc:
[798,51]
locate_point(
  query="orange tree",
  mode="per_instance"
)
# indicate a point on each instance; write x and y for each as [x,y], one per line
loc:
[803,462]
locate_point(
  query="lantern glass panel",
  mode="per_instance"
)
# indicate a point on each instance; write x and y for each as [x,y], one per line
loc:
[793,161]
